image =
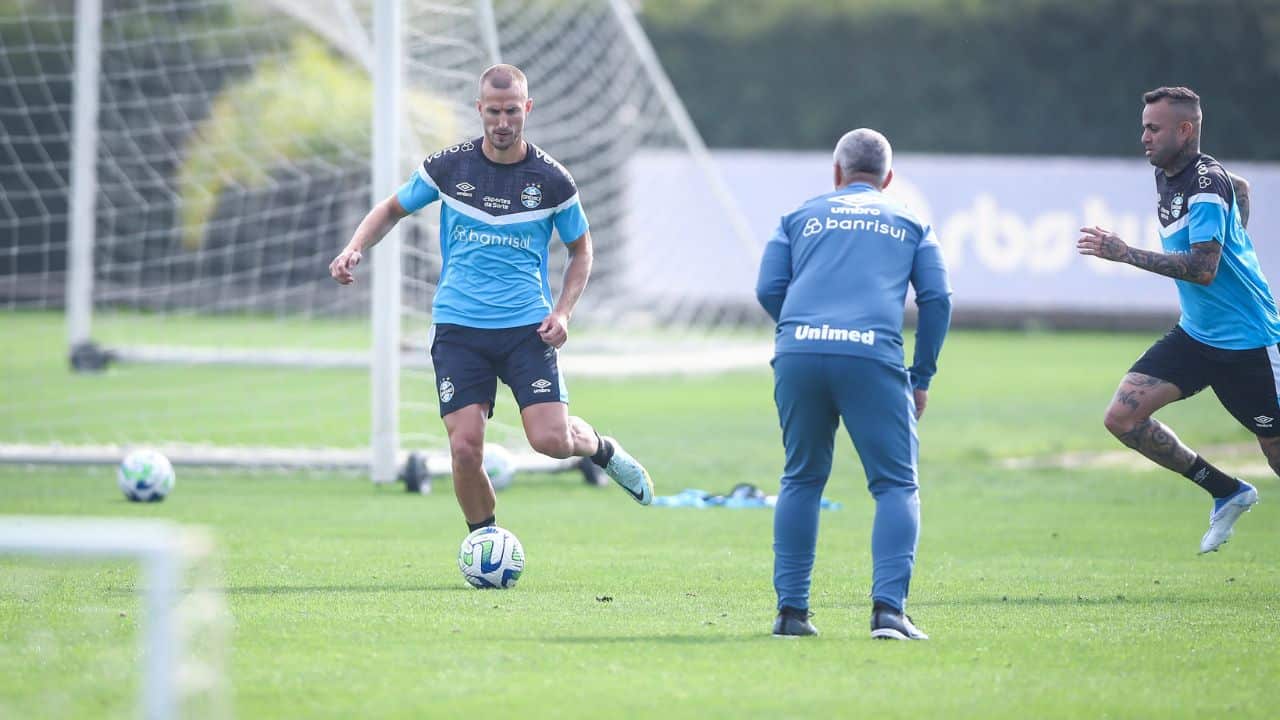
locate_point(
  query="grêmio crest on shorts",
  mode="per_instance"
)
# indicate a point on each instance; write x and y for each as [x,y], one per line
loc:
[496,225]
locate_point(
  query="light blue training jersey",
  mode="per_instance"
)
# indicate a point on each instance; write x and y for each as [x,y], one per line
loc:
[496,223]
[835,274]
[1236,311]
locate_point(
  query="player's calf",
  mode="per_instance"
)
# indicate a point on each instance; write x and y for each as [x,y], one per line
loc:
[1271,449]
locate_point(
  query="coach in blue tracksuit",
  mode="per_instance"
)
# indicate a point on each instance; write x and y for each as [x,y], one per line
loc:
[834,277]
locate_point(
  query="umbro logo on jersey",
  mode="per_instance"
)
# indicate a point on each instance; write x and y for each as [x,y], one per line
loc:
[853,204]
[465,187]
[1263,421]
[541,385]
[853,200]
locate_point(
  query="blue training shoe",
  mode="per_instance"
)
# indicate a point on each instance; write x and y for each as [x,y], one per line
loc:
[629,473]
[1226,511]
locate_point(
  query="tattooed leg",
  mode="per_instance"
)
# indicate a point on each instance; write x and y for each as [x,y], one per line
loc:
[1129,419]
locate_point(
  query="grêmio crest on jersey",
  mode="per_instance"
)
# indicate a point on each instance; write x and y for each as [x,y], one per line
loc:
[536,183]
[1204,175]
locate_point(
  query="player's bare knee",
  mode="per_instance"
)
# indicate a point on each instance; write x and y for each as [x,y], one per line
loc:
[467,455]
[1119,420]
[552,443]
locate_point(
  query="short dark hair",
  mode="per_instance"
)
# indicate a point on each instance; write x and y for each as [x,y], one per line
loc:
[503,76]
[1179,95]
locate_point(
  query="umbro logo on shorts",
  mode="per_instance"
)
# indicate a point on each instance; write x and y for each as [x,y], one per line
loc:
[1263,421]
[541,385]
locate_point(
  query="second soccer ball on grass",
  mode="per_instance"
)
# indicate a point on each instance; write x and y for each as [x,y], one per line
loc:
[145,476]
[499,465]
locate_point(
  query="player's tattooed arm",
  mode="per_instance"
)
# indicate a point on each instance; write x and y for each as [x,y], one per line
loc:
[1199,265]
[1242,196]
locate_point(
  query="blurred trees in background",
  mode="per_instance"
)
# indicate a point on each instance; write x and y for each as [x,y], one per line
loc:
[970,76]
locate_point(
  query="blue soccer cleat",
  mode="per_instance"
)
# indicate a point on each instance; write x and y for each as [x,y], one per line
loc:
[1226,511]
[629,473]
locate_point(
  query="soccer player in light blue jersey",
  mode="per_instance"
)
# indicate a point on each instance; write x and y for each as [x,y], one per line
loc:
[501,197]
[1227,336]
[834,277]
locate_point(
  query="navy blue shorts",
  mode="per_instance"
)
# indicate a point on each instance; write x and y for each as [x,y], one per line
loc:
[1246,382]
[469,362]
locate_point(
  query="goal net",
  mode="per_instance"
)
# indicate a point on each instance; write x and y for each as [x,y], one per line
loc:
[177,175]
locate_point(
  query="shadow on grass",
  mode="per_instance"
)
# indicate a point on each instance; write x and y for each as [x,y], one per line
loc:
[707,639]
[314,589]
[309,589]
[1066,601]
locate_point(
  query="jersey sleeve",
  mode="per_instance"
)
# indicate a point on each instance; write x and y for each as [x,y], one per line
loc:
[418,192]
[1210,205]
[570,220]
[775,272]
[933,304]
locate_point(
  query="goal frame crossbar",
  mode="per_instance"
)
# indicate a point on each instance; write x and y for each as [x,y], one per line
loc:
[162,548]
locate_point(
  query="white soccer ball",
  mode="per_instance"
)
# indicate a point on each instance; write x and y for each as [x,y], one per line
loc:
[499,465]
[491,557]
[145,476]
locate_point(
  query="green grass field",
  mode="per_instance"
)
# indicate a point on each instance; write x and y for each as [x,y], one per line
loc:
[1048,593]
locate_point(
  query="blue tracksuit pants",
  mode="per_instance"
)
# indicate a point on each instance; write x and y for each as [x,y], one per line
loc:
[813,393]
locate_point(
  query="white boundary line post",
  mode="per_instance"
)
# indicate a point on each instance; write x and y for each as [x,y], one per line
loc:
[489,30]
[385,301]
[81,226]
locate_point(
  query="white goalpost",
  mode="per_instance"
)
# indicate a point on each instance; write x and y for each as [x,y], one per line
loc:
[181,172]
[184,617]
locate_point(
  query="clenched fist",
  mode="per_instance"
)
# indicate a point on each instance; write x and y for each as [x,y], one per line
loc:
[342,266]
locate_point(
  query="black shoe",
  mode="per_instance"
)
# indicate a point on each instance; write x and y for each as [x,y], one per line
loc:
[890,624]
[592,474]
[793,623]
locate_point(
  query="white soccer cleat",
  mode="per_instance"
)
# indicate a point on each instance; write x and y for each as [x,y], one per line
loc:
[630,474]
[1222,520]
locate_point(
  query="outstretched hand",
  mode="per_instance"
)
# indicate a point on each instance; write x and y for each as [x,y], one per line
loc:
[554,330]
[1101,243]
[342,268]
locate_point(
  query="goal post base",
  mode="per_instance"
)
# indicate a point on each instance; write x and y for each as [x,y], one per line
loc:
[90,357]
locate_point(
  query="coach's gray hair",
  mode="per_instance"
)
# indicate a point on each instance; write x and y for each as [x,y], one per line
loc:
[864,151]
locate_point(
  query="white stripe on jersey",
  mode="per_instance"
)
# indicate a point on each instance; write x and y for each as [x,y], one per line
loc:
[1175,227]
[521,217]
[1209,198]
